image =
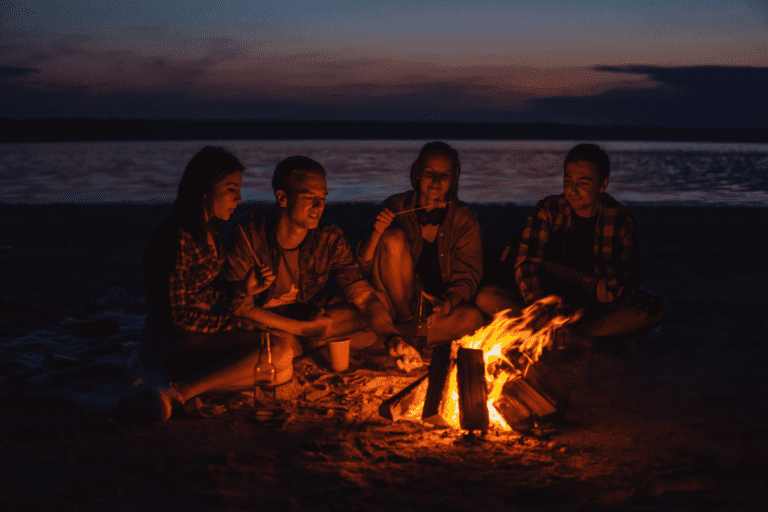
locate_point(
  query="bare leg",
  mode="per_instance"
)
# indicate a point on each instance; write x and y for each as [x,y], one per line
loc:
[235,373]
[619,323]
[464,319]
[393,274]
[491,299]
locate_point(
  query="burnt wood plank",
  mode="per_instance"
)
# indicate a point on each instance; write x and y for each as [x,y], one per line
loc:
[439,370]
[546,381]
[538,403]
[473,392]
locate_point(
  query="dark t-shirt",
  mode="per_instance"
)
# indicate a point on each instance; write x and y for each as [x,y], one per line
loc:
[580,244]
[428,269]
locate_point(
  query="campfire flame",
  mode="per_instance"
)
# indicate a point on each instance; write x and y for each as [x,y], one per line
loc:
[527,335]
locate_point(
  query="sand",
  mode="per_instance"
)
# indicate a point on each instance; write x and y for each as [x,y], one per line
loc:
[679,425]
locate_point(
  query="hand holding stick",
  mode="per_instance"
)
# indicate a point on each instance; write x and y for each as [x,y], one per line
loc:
[267,277]
[242,231]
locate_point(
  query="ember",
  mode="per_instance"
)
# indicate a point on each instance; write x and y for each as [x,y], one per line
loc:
[513,391]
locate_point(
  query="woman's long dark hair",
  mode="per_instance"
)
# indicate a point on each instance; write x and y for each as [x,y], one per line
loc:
[437,148]
[194,201]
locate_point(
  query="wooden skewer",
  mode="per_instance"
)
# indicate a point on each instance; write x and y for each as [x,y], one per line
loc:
[248,242]
[441,205]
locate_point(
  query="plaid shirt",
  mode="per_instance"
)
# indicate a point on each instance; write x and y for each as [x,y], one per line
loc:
[193,281]
[180,275]
[323,251]
[615,248]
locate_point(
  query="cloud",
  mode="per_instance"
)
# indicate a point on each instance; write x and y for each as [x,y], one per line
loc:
[688,97]
[12,72]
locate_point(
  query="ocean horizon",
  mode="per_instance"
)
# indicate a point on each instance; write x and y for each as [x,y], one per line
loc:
[520,172]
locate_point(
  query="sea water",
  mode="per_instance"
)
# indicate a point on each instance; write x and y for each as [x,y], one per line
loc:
[520,172]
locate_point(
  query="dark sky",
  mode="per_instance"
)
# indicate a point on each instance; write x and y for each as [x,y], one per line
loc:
[673,63]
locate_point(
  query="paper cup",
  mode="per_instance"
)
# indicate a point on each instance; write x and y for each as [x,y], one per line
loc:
[338,354]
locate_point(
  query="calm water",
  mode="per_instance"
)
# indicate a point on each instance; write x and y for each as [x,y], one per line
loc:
[521,172]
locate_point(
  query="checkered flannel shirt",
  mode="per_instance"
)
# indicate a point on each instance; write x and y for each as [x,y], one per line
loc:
[193,281]
[615,249]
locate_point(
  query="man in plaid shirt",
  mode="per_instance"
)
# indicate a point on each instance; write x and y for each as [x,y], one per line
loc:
[301,252]
[596,236]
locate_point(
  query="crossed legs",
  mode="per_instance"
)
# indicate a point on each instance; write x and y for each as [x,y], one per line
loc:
[393,278]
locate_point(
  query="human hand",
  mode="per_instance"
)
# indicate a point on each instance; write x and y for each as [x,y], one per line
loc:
[408,358]
[318,325]
[604,294]
[440,308]
[259,279]
[383,220]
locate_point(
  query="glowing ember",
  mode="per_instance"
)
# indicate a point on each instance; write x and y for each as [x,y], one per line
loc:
[526,335]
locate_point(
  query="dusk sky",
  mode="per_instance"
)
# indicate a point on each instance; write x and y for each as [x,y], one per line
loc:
[673,63]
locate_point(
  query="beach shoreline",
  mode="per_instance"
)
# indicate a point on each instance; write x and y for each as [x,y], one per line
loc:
[678,426]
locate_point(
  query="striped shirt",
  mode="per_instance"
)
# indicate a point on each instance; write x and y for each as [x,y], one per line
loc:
[615,243]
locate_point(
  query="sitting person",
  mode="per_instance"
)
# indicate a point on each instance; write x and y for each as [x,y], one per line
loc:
[302,251]
[434,250]
[595,235]
[189,333]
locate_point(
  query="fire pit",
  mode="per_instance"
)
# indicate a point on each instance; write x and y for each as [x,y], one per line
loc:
[492,377]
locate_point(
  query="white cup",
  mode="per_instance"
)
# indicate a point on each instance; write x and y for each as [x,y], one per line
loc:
[338,354]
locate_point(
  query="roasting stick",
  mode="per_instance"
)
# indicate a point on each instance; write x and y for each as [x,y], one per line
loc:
[248,242]
[440,205]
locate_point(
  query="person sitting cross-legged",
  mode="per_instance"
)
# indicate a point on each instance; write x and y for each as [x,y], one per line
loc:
[302,251]
[584,230]
[192,334]
[427,242]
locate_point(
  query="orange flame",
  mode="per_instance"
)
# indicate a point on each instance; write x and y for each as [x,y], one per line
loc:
[529,334]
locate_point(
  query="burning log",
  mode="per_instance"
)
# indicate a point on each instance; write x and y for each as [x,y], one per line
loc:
[521,402]
[437,410]
[473,393]
[406,404]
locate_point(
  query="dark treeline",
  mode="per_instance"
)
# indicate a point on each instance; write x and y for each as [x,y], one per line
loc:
[50,130]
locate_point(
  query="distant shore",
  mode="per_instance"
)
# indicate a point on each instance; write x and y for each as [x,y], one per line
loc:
[70,130]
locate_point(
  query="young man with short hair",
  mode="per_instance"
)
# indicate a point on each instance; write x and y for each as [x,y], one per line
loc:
[595,235]
[302,251]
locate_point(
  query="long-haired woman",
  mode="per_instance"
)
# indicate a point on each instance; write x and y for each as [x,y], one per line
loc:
[427,242]
[190,333]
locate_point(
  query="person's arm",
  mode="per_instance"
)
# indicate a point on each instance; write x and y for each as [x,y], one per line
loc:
[623,269]
[367,248]
[266,319]
[531,253]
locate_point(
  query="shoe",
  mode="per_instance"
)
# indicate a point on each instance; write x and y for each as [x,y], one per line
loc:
[165,398]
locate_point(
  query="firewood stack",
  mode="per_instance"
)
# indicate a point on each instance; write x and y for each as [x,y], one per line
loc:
[525,399]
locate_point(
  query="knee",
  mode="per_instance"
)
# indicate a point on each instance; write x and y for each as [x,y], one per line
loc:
[486,298]
[471,319]
[283,351]
[285,347]
[393,241]
[491,299]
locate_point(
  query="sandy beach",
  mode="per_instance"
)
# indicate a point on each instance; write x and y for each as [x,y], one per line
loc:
[678,424]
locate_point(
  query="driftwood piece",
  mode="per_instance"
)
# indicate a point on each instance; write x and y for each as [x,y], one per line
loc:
[408,403]
[473,393]
[521,404]
[546,381]
[514,412]
[437,391]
